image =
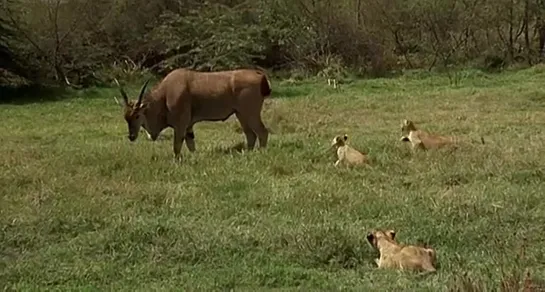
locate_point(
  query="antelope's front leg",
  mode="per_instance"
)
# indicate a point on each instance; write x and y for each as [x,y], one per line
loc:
[179,136]
[190,139]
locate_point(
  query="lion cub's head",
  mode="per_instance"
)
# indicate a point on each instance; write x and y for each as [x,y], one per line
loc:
[406,127]
[377,235]
[401,256]
[347,155]
[339,141]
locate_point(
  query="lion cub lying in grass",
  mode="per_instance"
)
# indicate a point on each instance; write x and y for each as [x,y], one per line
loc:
[397,256]
[423,140]
[347,155]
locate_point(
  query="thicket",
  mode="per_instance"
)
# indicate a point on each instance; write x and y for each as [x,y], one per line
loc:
[88,42]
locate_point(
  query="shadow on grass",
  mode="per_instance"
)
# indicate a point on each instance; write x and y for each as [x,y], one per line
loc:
[32,94]
[28,94]
[515,280]
[290,91]
[237,148]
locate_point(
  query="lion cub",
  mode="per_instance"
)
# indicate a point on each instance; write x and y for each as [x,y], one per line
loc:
[347,155]
[423,140]
[397,256]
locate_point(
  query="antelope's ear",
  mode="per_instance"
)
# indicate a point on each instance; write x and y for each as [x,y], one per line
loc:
[406,122]
[345,137]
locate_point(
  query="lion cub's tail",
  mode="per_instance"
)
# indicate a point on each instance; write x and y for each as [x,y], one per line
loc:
[480,140]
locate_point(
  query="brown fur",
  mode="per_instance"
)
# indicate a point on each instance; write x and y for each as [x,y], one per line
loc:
[397,256]
[185,97]
[423,140]
[347,155]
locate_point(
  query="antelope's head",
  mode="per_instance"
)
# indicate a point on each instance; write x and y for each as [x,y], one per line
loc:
[133,111]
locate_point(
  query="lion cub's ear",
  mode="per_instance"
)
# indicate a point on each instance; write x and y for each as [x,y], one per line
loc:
[391,233]
[345,137]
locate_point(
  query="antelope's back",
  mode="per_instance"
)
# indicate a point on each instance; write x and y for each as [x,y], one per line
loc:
[209,84]
[251,80]
[218,85]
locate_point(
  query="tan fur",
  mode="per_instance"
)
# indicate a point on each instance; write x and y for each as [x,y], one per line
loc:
[423,140]
[403,257]
[185,97]
[347,155]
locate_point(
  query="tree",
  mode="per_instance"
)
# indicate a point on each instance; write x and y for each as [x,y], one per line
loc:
[8,59]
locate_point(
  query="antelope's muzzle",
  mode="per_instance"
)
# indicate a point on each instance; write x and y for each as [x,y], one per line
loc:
[132,137]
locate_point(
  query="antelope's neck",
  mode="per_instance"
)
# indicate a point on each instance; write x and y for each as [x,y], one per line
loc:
[148,99]
[155,118]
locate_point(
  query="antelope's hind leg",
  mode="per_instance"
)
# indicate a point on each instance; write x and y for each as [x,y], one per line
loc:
[256,125]
[262,132]
[251,137]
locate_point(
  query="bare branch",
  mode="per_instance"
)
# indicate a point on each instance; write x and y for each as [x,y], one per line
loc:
[122,91]
[75,22]
[22,32]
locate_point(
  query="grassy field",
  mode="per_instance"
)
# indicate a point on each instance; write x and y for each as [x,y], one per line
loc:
[81,208]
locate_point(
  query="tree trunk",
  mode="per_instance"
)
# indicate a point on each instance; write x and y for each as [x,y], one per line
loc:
[526,25]
[540,23]
[511,44]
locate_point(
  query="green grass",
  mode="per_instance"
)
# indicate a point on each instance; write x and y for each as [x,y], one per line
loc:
[81,208]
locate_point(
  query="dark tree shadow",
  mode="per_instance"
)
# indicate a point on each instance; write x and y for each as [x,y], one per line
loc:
[34,93]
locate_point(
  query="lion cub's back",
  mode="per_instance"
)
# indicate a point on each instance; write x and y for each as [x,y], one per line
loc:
[432,141]
[351,155]
[414,257]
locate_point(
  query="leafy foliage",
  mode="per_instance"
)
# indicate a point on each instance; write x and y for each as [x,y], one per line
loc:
[84,42]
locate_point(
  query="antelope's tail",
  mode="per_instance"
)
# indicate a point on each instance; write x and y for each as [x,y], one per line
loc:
[265,86]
